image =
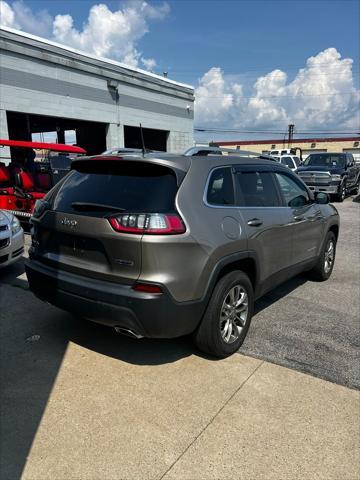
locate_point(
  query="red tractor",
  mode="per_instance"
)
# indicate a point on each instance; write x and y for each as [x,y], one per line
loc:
[25,180]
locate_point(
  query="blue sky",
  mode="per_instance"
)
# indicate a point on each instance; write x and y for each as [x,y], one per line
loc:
[248,60]
[241,37]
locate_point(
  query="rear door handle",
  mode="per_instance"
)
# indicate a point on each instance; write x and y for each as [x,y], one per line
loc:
[255,222]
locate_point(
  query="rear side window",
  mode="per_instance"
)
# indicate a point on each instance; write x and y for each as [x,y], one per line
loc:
[221,187]
[131,186]
[257,189]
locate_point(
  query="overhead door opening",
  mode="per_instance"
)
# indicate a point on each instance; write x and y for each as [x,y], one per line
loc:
[153,139]
[89,135]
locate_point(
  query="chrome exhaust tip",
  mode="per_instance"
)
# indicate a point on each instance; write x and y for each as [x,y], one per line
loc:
[128,332]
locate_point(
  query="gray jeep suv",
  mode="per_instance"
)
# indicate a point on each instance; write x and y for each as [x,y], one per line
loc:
[164,247]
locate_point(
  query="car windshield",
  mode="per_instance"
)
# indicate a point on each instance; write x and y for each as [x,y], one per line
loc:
[326,159]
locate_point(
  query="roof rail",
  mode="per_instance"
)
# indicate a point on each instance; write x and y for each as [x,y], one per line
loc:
[225,151]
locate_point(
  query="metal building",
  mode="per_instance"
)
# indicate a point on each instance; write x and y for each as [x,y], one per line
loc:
[50,89]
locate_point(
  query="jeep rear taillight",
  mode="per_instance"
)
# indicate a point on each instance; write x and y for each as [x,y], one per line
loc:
[148,223]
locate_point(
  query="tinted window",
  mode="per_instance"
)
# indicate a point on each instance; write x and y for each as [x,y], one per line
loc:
[295,195]
[326,159]
[257,189]
[297,161]
[134,187]
[287,161]
[221,188]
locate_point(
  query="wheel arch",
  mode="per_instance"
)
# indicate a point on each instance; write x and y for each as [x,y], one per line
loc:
[247,262]
[335,230]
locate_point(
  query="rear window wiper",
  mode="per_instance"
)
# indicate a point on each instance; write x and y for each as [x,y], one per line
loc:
[95,206]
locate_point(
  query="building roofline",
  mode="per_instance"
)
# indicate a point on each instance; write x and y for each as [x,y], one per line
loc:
[281,141]
[108,61]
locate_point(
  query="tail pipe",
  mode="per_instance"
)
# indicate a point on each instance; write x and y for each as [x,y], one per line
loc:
[128,332]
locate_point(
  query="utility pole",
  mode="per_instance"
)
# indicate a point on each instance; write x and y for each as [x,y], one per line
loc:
[290,134]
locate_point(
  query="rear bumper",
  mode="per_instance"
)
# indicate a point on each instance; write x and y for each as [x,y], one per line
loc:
[108,303]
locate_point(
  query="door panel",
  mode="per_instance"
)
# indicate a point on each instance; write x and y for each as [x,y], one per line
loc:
[265,221]
[271,240]
[305,218]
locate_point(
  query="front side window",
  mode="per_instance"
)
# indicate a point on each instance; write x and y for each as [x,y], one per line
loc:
[297,161]
[287,161]
[256,189]
[221,187]
[294,194]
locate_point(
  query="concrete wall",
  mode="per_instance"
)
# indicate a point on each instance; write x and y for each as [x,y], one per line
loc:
[339,145]
[41,78]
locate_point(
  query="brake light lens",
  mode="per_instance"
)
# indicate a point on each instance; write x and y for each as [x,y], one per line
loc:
[148,223]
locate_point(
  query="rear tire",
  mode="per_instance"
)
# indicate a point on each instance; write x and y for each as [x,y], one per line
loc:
[326,260]
[227,318]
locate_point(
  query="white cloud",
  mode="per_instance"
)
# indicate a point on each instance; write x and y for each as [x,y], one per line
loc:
[18,15]
[105,33]
[149,63]
[274,101]
[7,15]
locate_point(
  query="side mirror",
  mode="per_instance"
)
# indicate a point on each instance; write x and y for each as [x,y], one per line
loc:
[322,198]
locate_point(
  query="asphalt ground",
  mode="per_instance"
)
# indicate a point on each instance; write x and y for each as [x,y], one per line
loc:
[79,401]
[315,327]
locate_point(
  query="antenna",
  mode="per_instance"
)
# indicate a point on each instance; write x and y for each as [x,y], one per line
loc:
[142,141]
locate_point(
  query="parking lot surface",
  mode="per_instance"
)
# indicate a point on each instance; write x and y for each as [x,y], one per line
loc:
[79,401]
[315,327]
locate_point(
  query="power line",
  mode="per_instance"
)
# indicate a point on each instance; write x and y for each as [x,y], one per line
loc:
[275,132]
[282,96]
[332,74]
[293,67]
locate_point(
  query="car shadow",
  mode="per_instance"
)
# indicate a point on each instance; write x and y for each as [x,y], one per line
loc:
[356,198]
[30,365]
[14,274]
[144,351]
[279,292]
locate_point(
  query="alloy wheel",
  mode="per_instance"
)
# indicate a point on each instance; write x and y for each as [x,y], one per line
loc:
[329,256]
[234,314]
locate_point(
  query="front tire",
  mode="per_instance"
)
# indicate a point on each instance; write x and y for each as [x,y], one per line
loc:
[326,260]
[227,318]
[341,195]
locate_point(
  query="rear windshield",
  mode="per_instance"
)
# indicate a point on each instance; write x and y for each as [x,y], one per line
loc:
[131,186]
[326,159]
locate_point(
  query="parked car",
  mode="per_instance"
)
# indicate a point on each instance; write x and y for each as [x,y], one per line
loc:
[11,239]
[158,247]
[290,161]
[24,180]
[334,173]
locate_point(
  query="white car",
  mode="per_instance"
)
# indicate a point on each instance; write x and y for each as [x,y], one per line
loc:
[291,161]
[11,239]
